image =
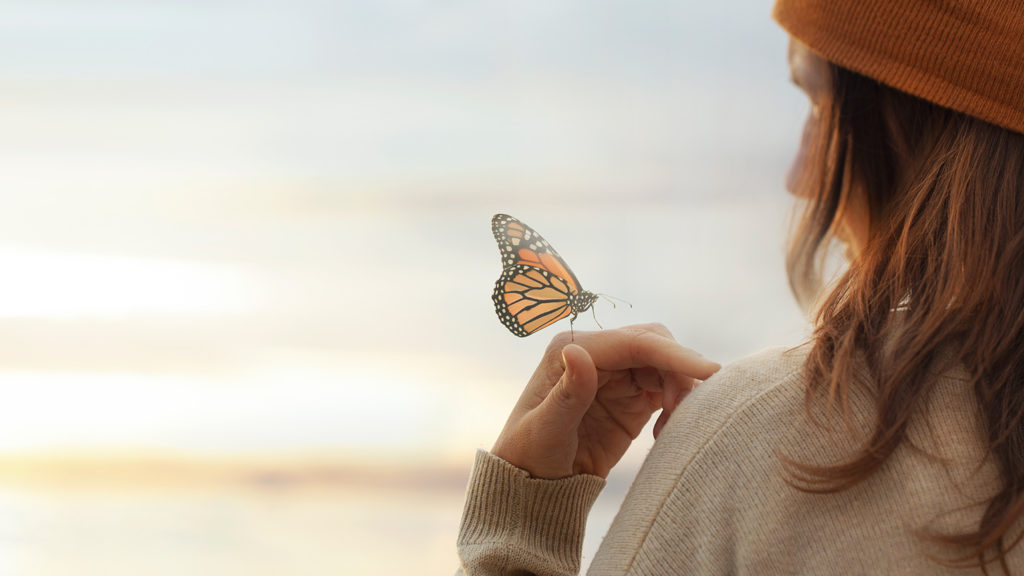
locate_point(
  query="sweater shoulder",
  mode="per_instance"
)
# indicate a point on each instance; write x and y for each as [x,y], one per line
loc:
[771,376]
[717,446]
[739,418]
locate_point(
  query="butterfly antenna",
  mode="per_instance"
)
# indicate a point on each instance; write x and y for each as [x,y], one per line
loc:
[613,299]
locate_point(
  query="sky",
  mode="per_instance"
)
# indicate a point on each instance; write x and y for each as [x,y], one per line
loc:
[264,227]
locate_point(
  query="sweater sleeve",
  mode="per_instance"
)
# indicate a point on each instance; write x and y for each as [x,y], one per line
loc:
[515,524]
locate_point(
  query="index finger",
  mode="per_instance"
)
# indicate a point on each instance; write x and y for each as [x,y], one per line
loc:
[625,348]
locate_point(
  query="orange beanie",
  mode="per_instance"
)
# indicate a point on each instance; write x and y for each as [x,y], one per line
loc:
[967,55]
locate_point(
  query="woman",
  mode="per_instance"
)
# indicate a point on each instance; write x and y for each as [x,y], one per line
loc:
[893,441]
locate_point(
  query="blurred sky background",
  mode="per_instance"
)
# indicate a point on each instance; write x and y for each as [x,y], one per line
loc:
[246,260]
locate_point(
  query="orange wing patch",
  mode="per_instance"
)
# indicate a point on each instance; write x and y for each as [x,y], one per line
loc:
[549,262]
[528,299]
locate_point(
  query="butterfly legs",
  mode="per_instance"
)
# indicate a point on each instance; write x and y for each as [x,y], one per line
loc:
[572,334]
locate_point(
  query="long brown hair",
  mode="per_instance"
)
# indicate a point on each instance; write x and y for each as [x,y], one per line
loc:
[942,269]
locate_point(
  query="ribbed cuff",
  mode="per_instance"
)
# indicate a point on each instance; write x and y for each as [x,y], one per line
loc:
[522,519]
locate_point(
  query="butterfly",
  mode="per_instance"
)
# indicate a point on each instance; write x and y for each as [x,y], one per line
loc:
[536,287]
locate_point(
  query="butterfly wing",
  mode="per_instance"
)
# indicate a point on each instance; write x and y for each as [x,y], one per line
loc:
[521,245]
[528,298]
[536,287]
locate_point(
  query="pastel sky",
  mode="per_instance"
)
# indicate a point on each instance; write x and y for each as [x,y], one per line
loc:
[230,226]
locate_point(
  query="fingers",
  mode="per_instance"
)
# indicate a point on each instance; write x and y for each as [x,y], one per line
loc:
[641,346]
[674,390]
[662,352]
[580,375]
[672,395]
[575,390]
[665,370]
[660,423]
[669,390]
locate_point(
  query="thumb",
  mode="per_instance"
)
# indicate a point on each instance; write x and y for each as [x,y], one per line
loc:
[574,392]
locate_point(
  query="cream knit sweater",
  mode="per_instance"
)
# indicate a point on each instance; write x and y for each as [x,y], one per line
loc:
[712,498]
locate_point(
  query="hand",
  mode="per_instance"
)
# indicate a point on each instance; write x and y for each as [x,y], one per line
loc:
[589,399]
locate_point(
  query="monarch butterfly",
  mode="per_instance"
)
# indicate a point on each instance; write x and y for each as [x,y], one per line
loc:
[536,287]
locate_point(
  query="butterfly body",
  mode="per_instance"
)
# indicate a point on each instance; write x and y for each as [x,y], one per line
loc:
[536,287]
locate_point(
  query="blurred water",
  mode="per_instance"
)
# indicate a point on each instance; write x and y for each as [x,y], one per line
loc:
[228,531]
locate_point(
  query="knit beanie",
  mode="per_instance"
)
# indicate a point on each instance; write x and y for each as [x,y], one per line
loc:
[967,55]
